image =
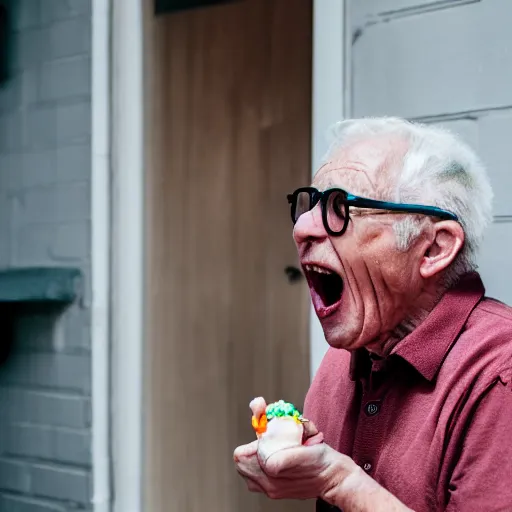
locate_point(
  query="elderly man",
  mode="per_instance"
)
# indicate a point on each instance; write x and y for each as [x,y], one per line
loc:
[414,396]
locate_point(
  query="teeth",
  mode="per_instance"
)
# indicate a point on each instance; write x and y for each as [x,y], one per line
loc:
[316,268]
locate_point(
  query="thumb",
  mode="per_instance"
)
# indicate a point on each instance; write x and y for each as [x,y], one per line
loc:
[311,435]
[244,451]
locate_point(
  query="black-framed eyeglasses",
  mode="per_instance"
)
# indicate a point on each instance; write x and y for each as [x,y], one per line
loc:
[335,204]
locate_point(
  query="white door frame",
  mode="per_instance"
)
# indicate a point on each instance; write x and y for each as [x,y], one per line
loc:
[330,76]
[127,266]
[127,211]
[100,195]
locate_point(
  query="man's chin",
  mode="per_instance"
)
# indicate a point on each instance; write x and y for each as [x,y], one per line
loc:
[340,332]
[340,340]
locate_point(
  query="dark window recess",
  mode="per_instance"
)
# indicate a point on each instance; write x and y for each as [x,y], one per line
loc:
[167,6]
[48,290]
[4,43]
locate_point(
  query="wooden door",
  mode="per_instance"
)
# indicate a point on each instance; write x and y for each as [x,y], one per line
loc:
[228,136]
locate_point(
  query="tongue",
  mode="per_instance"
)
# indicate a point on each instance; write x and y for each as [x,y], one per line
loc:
[328,287]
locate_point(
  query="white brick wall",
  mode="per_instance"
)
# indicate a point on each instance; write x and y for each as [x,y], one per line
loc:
[45,166]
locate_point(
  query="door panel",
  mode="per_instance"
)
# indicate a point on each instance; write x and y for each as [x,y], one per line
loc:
[443,61]
[443,65]
[229,93]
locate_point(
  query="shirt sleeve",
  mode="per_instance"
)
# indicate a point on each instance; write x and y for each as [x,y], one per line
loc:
[482,478]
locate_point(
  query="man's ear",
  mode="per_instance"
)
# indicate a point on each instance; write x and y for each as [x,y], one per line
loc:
[446,243]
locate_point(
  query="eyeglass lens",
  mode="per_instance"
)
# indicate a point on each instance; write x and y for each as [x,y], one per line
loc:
[336,211]
[336,208]
[302,205]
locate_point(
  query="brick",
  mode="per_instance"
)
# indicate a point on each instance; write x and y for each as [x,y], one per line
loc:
[11,132]
[46,408]
[29,85]
[65,78]
[51,243]
[5,232]
[49,443]
[11,167]
[11,93]
[14,476]
[33,244]
[56,203]
[73,163]
[76,328]
[62,9]
[61,483]
[25,504]
[70,37]
[41,126]
[24,14]
[472,71]
[71,372]
[74,123]
[47,166]
[29,48]
[70,242]
[38,168]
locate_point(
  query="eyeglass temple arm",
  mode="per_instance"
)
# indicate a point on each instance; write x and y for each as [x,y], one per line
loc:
[397,207]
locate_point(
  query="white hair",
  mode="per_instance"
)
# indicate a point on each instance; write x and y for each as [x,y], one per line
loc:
[438,169]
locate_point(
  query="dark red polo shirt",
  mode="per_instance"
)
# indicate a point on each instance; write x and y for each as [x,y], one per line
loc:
[432,422]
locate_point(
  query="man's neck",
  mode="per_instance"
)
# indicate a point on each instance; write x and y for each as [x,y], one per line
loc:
[416,314]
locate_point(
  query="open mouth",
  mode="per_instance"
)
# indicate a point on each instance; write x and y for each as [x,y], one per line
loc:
[326,288]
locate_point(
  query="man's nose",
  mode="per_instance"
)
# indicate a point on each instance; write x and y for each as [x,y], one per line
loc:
[309,226]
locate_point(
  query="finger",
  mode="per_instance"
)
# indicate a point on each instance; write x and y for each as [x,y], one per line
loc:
[316,439]
[310,430]
[246,461]
[245,450]
[285,463]
[252,485]
[258,406]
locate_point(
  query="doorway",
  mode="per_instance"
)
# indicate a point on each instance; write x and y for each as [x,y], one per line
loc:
[227,317]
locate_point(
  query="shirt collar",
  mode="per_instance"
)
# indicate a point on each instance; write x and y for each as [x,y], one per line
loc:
[426,347]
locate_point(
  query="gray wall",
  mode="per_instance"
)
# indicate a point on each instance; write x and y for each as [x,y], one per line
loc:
[45,419]
[447,62]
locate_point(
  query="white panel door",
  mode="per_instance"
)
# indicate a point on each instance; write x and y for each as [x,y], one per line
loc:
[450,63]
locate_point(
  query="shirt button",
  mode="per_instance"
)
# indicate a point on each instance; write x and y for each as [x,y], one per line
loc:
[367,466]
[372,409]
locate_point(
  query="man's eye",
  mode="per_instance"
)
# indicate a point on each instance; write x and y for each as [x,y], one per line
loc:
[338,207]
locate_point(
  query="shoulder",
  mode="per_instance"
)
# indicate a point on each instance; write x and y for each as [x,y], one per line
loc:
[489,309]
[489,332]
[484,348]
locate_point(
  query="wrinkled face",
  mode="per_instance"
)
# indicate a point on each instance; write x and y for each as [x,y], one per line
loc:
[361,284]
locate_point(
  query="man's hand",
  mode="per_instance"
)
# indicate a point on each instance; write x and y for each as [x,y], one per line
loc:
[308,471]
[300,472]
